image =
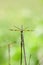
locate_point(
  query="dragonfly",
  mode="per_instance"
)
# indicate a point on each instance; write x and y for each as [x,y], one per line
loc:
[22,41]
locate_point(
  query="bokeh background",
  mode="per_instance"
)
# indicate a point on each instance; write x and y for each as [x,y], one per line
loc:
[28,13]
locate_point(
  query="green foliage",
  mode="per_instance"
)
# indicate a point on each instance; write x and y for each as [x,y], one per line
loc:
[28,13]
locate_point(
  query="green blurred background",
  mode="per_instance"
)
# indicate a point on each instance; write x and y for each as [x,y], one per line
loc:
[28,13]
